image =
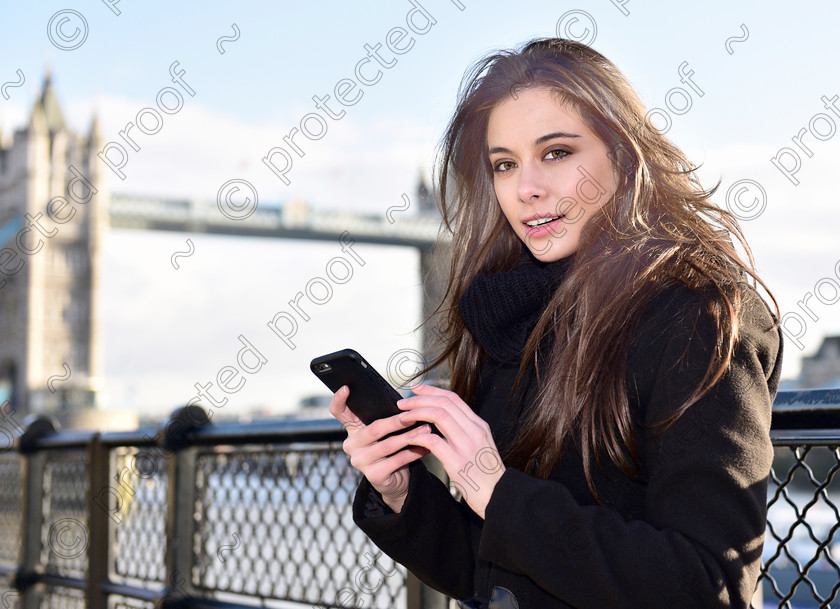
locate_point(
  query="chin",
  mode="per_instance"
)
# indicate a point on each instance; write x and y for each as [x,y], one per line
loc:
[552,253]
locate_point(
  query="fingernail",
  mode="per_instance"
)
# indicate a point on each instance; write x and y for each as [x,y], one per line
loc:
[401,403]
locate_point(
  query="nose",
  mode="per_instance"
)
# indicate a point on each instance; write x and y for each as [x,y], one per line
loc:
[532,183]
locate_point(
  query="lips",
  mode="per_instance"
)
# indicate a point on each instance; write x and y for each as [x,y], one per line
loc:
[545,225]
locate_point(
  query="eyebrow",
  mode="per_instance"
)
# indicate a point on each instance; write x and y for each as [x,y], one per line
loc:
[537,142]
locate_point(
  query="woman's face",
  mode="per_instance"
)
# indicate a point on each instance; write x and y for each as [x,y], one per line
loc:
[550,172]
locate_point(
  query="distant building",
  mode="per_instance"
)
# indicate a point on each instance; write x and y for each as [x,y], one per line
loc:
[822,370]
[53,210]
[425,198]
[315,406]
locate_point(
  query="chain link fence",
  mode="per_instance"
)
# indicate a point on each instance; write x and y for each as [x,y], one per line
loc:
[802,549]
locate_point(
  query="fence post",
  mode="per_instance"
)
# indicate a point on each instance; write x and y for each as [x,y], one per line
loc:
[33,512]
[173,436]
[31,546]
[99,532]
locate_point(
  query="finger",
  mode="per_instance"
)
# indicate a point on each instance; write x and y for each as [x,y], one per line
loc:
[382,427]
[448,401]
[340,410]
[430,395]
[450,423]
[377,451]
[440,448]
[381,470]
[424,389]
[439,412]
[369,435]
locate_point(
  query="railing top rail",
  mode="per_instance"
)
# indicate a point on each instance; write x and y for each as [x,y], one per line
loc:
[65,439]
[808,398]
[280,430]
[810,409]
[140,437]
[811,437]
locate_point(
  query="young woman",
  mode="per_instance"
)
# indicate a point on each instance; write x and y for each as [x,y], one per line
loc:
[612,364]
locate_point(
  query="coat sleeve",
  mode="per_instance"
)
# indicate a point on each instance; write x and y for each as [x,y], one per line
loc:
[430,536]
[698,544]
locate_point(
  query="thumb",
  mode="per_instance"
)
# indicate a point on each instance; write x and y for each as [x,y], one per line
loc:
[340,410]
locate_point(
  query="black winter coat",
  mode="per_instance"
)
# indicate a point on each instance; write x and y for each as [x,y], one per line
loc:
[688,534]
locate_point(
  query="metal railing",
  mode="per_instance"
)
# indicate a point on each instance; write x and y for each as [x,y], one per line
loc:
[241,515]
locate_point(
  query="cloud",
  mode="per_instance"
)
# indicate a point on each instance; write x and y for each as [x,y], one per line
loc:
[356,165]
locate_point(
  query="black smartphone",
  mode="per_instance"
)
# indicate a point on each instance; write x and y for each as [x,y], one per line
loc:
[371,396]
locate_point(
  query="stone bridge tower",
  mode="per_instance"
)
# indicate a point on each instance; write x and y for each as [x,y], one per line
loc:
[53,209]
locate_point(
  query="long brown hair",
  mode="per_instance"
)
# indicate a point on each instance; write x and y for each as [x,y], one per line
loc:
[660,229]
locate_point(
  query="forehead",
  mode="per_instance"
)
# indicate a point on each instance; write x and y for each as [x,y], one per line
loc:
[533,111]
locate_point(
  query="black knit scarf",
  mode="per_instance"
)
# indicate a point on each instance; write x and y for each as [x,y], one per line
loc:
[501,309]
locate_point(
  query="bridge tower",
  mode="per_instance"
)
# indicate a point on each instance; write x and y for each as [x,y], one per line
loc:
[53,210]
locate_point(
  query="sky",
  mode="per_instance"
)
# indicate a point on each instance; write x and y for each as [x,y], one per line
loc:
[739,84]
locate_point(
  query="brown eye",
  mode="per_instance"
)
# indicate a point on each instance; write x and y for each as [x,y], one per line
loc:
[557,154]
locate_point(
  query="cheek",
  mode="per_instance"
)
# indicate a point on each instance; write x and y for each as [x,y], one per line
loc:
[609,178]
[512,216]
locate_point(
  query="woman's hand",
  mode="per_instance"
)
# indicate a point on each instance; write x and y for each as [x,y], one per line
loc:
[466,450]
[379,460]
